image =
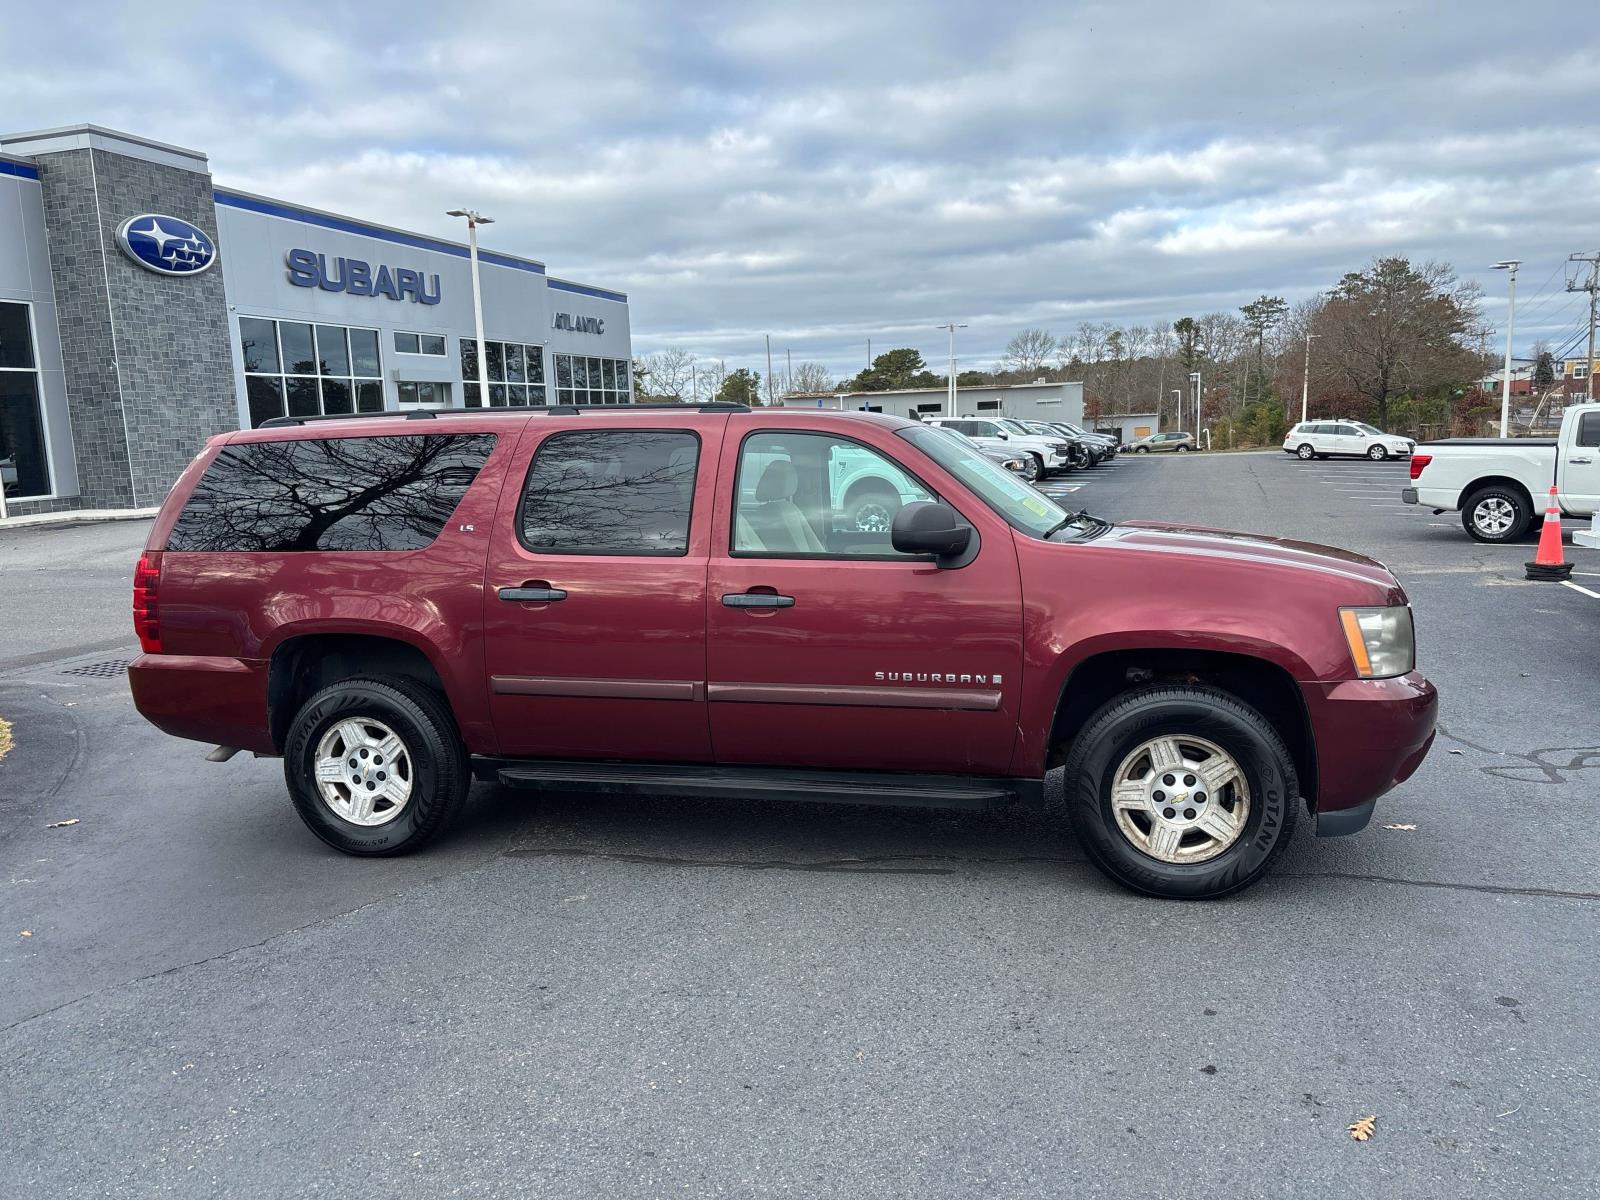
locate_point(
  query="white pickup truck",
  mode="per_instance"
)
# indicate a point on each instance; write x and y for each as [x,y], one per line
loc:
[1500,485]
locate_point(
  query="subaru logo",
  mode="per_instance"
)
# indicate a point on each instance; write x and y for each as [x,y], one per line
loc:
[166,245]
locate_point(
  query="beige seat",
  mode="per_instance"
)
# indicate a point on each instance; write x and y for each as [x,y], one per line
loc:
[775,520]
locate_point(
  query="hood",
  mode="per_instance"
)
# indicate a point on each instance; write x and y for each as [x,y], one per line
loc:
[1198,541]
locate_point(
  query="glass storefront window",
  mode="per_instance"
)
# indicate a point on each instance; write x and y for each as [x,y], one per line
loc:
[24,464]
[509,365]
[581,379]
[295,370]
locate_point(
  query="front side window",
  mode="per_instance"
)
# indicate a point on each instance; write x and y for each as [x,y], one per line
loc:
[302,370]
[1589,429]
[611,492]
[368,493]
[25,470]
[815,495]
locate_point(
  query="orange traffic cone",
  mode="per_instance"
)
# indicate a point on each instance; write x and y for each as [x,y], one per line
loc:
[1548,564]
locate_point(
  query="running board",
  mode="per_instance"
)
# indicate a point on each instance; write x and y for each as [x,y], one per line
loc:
[766,783]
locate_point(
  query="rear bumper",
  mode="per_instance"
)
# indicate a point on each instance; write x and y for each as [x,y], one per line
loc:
[208,699]
[1409,495]
[1372,735]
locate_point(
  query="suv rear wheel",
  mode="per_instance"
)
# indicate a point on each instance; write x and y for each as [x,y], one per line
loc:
[375,766]
[1304,452]
[1496,514]
[1182,792]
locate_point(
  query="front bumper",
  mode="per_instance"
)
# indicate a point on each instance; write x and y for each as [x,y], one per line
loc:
[1371,736]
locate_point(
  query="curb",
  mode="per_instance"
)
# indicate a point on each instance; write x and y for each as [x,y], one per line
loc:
[78,516]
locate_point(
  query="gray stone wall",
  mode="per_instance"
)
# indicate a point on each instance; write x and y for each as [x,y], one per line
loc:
[148,360]
[83,312]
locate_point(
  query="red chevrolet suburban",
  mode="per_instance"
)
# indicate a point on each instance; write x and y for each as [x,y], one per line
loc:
[683,600]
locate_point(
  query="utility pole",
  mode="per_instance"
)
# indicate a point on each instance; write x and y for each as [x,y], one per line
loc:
[1305,379]
[1592,287]
[769,370]
[952,326]
[788,369]
[1194,378]
[1510,266]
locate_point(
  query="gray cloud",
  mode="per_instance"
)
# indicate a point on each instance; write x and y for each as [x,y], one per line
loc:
[832,172]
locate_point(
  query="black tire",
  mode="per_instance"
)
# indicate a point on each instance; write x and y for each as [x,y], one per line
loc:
[871,509]
[1126,721]
[438,763]
[1304,452]
[1482,513]
[1182,449]
[1377,453]
[1144,450]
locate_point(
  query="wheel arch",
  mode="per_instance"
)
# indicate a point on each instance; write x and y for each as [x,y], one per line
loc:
[1257,681]
[1506,481]
[303,664]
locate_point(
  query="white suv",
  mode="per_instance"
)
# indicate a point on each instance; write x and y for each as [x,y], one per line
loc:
[1040,455]
[1322,439]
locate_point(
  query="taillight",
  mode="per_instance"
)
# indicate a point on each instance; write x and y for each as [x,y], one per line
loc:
[1418,461]
[146,613]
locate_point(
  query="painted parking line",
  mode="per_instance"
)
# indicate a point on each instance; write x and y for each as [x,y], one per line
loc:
[1578,587]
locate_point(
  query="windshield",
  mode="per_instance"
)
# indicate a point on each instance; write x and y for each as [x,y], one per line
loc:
[1042,429]
[1011,426]
[1017,504]
[1073,428]
[1365,428]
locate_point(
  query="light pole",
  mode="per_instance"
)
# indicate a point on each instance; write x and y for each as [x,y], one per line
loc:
[1194,378]
[474,219]
[1508,265]
[952,326]
[1178,404]
[1305,378]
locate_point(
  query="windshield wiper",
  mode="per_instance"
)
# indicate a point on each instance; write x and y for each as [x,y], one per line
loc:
[1081,517]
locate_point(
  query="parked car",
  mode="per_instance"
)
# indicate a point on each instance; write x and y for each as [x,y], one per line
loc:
[1080,453]
[1501,484]
[1109,446]
[1352,439]
[674,601]
[1158,443]
[1044,455]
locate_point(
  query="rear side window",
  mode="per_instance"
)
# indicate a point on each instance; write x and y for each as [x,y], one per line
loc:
[369,493]
[611,491]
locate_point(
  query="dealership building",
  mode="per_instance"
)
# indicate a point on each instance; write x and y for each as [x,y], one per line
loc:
[144,308]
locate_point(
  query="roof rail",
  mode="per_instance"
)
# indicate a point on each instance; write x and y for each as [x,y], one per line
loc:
[559,410]
[569,410]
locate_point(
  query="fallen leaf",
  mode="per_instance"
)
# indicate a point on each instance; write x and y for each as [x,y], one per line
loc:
[1363,1128]
[1455,751]
[62,824]
[26,933]
[1399,826]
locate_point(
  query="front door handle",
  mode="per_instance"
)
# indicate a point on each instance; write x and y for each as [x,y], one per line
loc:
[757,600]
[1582,462]
[531,595]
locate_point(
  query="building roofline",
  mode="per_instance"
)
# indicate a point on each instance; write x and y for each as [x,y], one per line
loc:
[19,168]
[586,289]
[102,131]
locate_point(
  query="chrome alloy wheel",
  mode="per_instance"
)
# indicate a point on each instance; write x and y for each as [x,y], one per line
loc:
[1180,799]
[1494,516]
[363,771]
[872,516]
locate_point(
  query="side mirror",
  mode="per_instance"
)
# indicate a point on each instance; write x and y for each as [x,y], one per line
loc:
[924,527]
[1002,435]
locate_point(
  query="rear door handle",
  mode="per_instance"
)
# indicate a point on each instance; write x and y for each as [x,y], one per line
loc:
[531,595]
[757,600]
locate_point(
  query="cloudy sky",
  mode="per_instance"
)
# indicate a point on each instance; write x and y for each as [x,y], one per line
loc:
[829,173]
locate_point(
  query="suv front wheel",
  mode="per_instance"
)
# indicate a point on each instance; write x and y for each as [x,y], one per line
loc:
[1181,792]
[375,766]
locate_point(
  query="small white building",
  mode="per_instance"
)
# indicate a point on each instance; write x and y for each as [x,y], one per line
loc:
[1029,401]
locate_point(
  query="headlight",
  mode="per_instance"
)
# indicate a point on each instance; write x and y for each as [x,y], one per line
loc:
[1382,641]
[1013,464]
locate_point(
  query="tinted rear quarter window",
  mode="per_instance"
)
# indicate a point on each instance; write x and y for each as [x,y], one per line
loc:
[367,493]
[611,491]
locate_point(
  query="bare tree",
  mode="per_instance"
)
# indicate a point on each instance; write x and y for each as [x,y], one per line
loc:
[1030,350]
[670,373]
[808,378]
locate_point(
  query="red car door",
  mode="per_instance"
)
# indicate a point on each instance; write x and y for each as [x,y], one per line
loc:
[826,648]
[594,609]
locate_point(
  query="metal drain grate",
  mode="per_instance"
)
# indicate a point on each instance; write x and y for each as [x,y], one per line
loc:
[110,669]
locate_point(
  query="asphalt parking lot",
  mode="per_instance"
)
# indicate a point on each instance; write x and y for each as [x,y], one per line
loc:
[599,997]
